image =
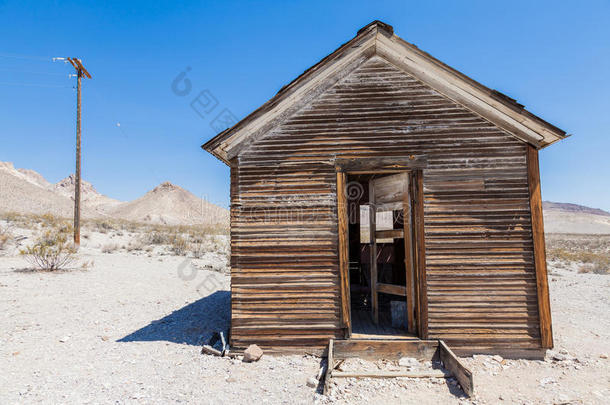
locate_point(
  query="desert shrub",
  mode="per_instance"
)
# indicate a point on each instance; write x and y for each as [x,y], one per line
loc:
[178,244]
[50,220]
[135,245]
[110,248]
[5,237]
[103,226]
[197,250]
[87,264]
[596,268]
[11,216]
[31,221]
[52,249]
[156,238]
[592,252]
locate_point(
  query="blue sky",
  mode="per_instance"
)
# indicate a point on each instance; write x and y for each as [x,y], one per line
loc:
[554,57]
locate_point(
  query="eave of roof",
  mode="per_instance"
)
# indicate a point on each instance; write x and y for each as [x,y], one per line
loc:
[386,41]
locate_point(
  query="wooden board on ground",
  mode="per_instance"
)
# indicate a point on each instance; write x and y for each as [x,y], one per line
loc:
[422,350]
[330,366]
[390,374]
[452,363]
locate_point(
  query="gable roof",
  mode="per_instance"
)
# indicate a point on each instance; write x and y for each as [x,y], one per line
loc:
[378,38]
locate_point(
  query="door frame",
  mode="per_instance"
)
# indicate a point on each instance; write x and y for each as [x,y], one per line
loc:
[414,165]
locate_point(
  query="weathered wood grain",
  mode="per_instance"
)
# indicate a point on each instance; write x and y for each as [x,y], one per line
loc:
[422,350]
[390,374]
[330,366]
[478,282]
[453,364]
[373,252]
[343,251]
[542,283]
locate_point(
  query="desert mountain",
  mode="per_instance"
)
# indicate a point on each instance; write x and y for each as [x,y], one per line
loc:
[26,191]
[89,195]
[574,218]
[171,204]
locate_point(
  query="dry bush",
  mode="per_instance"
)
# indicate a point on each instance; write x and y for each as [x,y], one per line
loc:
[33,221]
[201,244]
[50,220]
[52,249]
[595,268]
[592,251]
[102,226]
[156,238]
[11,216]
[136,245]
[19,220]
[178,244]
[87,265]
[110,248]
[6,237]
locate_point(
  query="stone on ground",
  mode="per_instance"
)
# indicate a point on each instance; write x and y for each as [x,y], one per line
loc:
[252,353]
[408,362]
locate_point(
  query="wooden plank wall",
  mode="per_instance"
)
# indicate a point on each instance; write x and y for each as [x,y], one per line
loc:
[481,281]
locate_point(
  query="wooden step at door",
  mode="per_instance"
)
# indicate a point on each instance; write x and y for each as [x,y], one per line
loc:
[422,350]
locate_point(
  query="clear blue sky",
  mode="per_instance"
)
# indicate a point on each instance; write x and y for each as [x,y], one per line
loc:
[554,57]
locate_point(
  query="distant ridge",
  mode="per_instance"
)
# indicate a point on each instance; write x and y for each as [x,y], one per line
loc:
[568,207]
[26,191]
[574,218]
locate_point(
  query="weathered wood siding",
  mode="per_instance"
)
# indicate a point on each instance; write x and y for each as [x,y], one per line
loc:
[479,250]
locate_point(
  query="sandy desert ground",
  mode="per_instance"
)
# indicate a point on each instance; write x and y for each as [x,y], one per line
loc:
[128,329]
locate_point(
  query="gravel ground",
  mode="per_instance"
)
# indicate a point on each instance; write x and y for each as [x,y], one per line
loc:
[128,330]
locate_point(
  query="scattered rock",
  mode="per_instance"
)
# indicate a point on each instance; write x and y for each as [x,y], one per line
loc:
[547,381]
[252,353]
[312,382]
[207,349]
[561,357]
[408,362]
[64,339]
[105,338]
[603,356]
[497,358]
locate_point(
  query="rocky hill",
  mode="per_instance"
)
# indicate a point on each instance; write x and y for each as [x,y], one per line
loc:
[574,218]
[171,204]
[26,191]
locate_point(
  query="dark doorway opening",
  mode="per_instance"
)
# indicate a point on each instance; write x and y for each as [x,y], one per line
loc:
[381,271]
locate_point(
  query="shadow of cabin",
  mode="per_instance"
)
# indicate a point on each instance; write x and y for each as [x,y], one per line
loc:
[192,324]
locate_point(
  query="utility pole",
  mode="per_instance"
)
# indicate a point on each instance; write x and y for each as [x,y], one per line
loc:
[80,71]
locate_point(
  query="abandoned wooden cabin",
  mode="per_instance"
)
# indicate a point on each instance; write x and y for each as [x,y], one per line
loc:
[383,194]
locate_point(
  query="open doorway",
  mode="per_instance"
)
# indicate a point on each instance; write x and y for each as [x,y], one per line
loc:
[380,250]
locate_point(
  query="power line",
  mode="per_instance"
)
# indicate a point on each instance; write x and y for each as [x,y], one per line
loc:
[32,73]
[34,85]
[21,56]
